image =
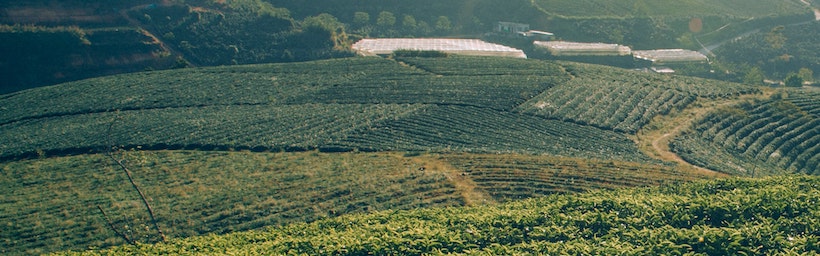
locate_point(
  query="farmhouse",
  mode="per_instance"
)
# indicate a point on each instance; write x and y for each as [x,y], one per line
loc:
[670,56]
[474,47]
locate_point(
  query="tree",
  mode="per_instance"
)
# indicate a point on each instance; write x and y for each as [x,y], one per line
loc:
[361,19]
[443,24]
[408,23]
[794,80]
[754,76]
[386,19]
[775,38]
[806,74]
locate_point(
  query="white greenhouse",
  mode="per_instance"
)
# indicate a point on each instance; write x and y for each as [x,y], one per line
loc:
[474,47]
[562,48]
[670,56]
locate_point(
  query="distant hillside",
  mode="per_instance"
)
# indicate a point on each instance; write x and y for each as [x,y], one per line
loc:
[770,216]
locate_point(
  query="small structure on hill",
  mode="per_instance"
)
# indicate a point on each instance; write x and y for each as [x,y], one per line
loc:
[562,48]
[670,56]
[511,28]
[473,47]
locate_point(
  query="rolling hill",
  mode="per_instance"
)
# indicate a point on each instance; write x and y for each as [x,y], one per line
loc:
[234,148]
[772,216]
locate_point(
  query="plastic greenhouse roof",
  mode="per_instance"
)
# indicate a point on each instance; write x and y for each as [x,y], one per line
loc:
[454,46]
[583,49]
[670,55]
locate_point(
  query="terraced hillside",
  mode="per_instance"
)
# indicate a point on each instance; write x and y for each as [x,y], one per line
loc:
[52,204]
[317,140]
[755,138]
[610,99]
[771,216]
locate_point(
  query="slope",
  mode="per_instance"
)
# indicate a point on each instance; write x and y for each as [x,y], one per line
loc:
[470,126]
[776,215]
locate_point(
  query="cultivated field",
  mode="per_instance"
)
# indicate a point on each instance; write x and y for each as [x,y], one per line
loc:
[757,138]
[236,148]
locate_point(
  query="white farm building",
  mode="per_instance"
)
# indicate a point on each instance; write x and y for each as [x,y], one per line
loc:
[667,56]
[562,48]
[474,47]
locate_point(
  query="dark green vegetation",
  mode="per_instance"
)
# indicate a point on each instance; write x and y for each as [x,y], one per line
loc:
[473,104]
[464,121]
[52,204]
[778,215]
[34,56]
[755,138]
[601,97]
[685,8]
[776,53]
[227,32]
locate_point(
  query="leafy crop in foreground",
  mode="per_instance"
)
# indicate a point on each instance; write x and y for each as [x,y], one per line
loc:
[776,215]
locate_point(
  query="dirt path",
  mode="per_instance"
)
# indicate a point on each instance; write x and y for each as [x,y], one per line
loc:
[816,10]
[655,137]
[464,185]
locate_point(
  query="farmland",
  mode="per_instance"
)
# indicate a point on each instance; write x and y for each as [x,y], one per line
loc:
[224,149]
[754,138]
[201,192]
[771,216]
[624,103]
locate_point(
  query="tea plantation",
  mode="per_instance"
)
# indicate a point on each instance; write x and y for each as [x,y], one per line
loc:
[279,148]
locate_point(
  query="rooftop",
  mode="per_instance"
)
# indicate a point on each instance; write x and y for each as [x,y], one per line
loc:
[369,47]
[670,55]
[562,48]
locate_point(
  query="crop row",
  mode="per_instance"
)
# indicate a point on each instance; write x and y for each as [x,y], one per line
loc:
[471,129]
[234,85]
[51,204]
[775,134]
[351,80]
[616,106]
[508,177]
[601,97]
[335,127]
[485,66]
[297,127]
[699,87]
[807,101]
[502,92]
[774,216]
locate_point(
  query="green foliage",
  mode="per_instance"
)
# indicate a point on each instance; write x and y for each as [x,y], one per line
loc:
[386,19]
[793,80]
[622,100]
[199,193]
[775,136]
[439,104]
[777,215]
[798,50]
[685,8]
[33,56]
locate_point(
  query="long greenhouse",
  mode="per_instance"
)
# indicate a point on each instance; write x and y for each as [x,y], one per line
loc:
[474,47]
